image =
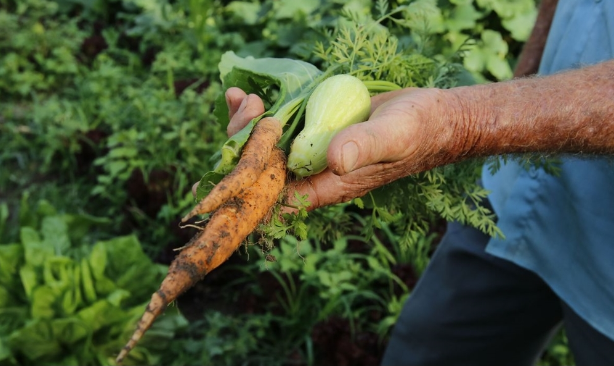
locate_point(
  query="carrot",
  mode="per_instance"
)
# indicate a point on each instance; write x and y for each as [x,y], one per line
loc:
[254,158]
[225,231]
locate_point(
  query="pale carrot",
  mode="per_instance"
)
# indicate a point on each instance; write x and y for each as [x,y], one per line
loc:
[252,163]
[224,233]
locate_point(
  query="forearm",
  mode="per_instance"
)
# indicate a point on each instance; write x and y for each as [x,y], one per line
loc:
[571,112]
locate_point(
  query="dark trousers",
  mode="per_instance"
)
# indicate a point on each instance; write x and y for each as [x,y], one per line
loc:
[471,308]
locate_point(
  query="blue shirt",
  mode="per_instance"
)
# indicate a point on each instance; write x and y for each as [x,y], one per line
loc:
[561,227]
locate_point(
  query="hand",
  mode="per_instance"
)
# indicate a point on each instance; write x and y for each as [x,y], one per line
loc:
[407,133]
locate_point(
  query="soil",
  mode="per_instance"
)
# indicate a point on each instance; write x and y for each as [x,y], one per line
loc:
[336,345]
[89,144]
[181,85]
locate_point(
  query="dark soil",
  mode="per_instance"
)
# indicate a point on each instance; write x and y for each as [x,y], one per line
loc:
[337,346]
[196,84]
[91,144]
[150,193]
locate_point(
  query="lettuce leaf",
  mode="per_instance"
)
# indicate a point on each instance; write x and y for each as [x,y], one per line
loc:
[65,301]
[128,267]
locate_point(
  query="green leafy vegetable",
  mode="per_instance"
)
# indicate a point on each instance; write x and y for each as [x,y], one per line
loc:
[58,293]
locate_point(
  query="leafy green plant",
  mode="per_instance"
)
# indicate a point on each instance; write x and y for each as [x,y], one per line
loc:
[308,284]
[68,301]
[558,352]
[42,58]
[495,29]
[221,339]
[112,125]
[349,278]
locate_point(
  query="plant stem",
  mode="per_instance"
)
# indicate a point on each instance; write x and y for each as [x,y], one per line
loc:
[380,85]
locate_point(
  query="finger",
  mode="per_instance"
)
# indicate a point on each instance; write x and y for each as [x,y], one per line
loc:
[382,98]
[250,108]
[385,137]
[380,139]
[328,188]
[234,98]
[318,189]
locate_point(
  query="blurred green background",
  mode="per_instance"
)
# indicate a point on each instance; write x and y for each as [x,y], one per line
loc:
[106,120]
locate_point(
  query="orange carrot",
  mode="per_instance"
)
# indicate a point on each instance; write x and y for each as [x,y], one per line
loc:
[254,158]
[224,233]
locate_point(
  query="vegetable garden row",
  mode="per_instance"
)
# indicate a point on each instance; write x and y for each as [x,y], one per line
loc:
[111,109]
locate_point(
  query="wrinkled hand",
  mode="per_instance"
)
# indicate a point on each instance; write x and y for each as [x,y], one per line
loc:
[408,132]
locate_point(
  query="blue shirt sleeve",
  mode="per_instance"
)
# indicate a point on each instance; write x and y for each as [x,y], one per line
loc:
[560,227]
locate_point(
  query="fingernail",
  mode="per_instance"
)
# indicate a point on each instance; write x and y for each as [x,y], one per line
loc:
[349,156]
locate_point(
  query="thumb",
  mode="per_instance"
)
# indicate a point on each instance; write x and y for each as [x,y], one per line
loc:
[375,141]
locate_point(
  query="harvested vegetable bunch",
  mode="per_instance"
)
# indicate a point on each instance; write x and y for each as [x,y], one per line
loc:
[242,199]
